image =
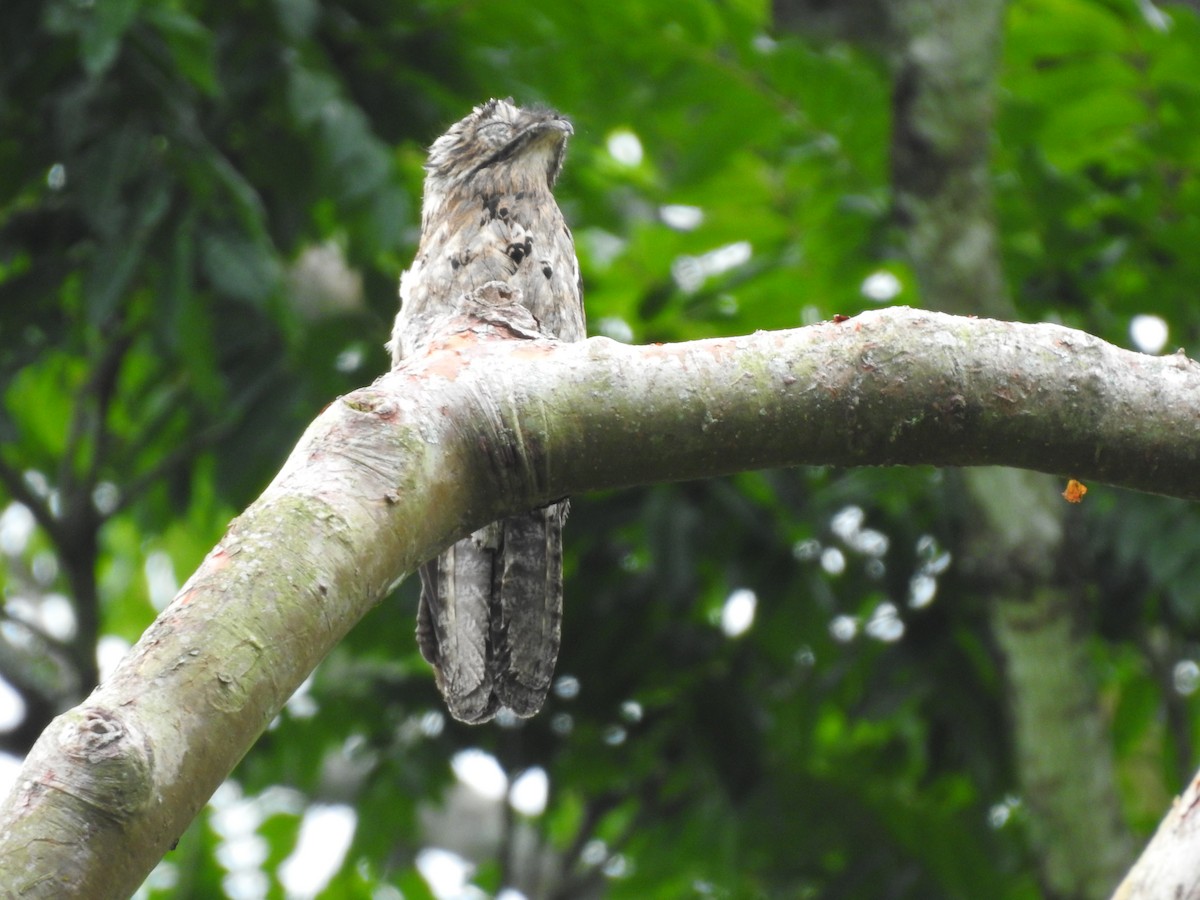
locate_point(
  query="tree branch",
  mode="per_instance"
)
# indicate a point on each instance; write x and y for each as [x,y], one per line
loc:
[90,421]
[479,427]
[39,507]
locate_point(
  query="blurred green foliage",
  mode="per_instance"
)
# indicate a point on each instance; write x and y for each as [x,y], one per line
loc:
[204,208]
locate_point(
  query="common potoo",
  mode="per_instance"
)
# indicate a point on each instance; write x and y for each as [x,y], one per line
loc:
[491,605]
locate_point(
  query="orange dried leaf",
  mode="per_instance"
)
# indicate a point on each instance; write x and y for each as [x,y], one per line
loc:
[1075,491]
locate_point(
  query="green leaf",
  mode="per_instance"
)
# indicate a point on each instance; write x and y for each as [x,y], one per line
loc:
[309,93]
[190,44]
[239,267]
[357,158]
[103,28]
[117,261]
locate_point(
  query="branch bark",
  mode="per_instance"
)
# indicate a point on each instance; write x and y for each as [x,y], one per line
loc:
[484,425]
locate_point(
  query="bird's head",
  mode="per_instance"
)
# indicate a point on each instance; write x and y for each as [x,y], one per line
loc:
[503,141]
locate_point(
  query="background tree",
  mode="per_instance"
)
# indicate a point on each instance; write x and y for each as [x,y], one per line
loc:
[202,216]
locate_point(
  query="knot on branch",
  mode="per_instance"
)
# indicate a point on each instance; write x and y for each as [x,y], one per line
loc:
[115,761]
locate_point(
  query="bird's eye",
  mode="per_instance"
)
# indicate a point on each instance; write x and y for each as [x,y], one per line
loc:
[495,134]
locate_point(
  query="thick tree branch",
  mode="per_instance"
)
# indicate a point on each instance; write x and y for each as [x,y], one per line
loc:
[892,387]
[390,474]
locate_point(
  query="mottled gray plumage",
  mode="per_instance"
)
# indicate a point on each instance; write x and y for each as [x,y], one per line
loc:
[491,605]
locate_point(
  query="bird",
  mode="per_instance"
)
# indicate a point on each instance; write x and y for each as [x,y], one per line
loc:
[490,611]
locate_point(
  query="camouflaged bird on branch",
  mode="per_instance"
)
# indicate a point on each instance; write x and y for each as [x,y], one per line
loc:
[491,605]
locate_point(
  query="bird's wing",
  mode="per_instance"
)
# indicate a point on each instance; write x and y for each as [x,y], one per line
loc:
[526,633]
[452,625]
